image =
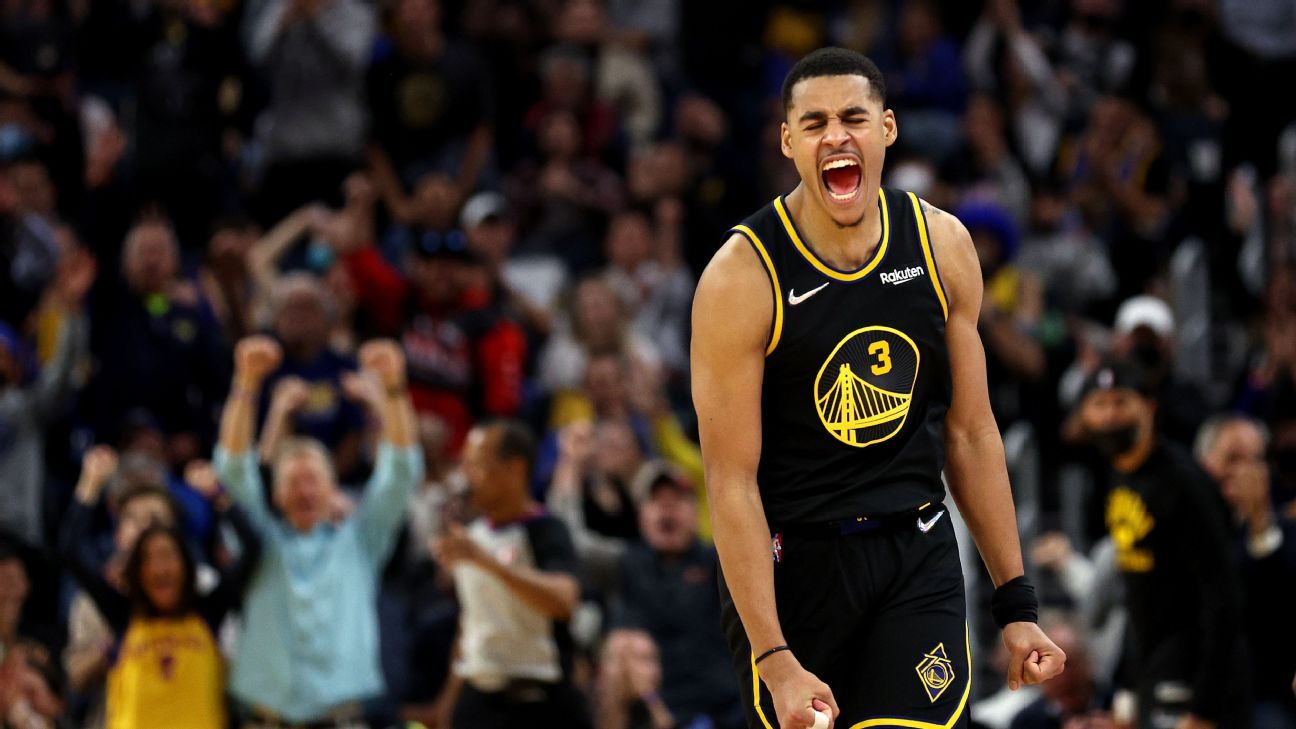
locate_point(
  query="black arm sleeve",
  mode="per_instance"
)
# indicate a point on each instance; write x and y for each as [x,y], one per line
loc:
[74,548]
[552,546]
[233,580]
[1204,538]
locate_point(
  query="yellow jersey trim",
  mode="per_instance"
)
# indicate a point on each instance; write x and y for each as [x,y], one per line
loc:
[824,268]
[916,724]
[778,292]
[756,693]
[927,254]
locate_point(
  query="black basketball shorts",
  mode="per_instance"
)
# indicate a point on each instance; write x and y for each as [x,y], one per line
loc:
[879,615]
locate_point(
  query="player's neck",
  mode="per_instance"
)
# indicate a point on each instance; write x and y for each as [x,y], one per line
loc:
[843,248]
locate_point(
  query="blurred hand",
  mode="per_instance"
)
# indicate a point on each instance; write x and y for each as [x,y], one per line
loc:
[340,506]
[255,358]
[456,546]
[1032,657]
[363,388]
[200,475]
[576,443]
[384,359]
[1247,491]
[290,395]
[97,466]
[1051,550]
[77,270]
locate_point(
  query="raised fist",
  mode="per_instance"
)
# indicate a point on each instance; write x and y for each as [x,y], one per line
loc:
[290,395]
[255,358]
[202,477]
[97,466]
[384,359]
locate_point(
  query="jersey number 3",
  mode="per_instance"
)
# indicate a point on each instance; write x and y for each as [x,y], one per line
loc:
[882,350]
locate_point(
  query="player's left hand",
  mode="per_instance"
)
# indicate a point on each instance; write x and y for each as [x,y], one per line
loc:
[1192,721]
[1032,657]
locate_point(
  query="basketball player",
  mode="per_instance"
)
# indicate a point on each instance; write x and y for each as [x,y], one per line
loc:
[836,370]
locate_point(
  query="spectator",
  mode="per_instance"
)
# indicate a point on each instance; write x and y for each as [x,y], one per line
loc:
[155,348]
[629,683]
[1144,331]
[514,571]
[565,195]
[92,641]
[28,690]
[320,409]
[652,281]
[667,588]
[466,353]
[597,325]
[593,493]
[1185,652]
[1232,449]
[29,404]
[310,648]
[168,669]
[1022,78]
[925,78]
[430,99]
[312,54]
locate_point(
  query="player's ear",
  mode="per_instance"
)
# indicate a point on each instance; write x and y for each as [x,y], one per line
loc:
[891,131]
[785,140]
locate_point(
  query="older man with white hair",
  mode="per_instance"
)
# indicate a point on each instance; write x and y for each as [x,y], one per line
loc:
[309,653]
[1233,448]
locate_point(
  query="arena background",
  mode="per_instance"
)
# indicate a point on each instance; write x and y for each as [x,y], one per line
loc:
[523,193]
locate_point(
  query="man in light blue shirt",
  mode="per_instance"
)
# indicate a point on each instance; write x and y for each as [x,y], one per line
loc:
[309,649]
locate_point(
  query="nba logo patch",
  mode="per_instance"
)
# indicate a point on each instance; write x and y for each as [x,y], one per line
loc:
[776,546]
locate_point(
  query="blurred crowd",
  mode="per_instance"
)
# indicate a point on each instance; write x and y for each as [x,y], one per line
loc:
[451,476]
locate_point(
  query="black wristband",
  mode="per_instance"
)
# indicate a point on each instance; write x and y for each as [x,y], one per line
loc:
[1014,602]
[769,653]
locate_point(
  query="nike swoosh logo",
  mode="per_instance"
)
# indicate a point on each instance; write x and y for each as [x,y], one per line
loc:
[793,299]
[925,526]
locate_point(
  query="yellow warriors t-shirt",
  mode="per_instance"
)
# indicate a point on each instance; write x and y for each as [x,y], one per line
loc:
[169,673]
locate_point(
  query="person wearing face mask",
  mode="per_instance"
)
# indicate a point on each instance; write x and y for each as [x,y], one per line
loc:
[1185,656]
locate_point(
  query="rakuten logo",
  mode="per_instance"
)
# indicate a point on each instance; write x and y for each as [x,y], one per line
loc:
[901,275]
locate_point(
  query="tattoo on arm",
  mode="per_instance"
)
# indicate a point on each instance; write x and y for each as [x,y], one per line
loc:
[928,209]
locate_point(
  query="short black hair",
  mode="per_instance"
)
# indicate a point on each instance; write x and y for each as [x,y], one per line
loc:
[515,441]
[834,62]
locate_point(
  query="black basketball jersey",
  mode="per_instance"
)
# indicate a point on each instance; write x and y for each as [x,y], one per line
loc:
[857,376]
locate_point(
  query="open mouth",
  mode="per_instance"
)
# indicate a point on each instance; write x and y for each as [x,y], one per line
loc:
[841,176]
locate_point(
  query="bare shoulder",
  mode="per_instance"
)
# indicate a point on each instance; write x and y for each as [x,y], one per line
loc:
[733,296]
[956,257]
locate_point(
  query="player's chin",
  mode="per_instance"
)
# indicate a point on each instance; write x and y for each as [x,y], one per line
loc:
[845,208]
[846,214]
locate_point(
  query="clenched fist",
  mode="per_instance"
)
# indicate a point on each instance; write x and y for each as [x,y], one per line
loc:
[255,358]
[97,466]
[384,359]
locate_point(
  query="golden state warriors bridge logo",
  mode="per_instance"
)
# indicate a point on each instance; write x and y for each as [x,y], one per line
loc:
[936,672]
[864,388]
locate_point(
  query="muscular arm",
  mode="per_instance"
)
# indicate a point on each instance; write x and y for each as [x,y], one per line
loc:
[975,466]
[732,311]
[731,326]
